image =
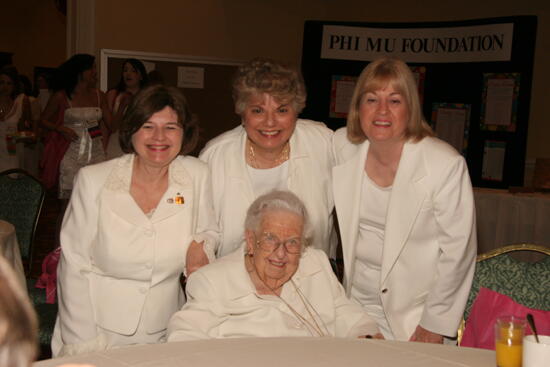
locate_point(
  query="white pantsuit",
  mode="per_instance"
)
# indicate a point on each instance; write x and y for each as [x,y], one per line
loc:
[118,277]
[429,243]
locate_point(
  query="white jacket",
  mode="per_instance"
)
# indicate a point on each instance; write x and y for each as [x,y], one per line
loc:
[120,270]
[223,303]
[310,165]
[430,235]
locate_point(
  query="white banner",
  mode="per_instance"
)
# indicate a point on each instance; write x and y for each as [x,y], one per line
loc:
[481,43]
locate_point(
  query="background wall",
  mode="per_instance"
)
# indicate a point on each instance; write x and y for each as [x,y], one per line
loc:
[242,29]
[34,31]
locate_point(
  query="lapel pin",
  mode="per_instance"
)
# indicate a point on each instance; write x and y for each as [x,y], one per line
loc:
[179,199]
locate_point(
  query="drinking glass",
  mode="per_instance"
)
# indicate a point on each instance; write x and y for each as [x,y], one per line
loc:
[509,331]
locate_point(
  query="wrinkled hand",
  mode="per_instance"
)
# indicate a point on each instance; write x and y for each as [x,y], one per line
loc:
[425,336]
[196,257]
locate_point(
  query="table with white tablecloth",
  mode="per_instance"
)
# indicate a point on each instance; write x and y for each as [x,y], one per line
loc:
[505,218]
[285,352]
[9,248]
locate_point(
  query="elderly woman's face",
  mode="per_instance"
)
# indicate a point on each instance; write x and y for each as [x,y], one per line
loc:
[384,115]
[158,141]
[269,123]
[277,265]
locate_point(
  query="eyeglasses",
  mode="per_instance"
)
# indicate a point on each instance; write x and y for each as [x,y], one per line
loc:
[270,243]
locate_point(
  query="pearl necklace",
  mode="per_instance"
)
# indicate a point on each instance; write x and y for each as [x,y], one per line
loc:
[283,156]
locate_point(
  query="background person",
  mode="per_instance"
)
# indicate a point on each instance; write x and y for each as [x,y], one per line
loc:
[271,149]
[78,112]
[15,115]
[132,78]
[133,225]
[405,208]
[280,286]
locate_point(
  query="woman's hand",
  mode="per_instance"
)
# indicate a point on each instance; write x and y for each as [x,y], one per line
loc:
[425,336]
[196,257]
[67,133]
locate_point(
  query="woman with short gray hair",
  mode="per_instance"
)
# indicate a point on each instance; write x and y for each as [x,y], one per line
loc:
[281,286]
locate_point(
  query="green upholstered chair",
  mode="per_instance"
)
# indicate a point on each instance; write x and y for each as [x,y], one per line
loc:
[21,199]
[526,283]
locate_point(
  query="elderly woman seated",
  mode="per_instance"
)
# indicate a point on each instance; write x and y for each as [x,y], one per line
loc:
[279,286]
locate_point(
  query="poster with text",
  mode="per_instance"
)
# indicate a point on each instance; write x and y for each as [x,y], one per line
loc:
[500,102]
[451,122]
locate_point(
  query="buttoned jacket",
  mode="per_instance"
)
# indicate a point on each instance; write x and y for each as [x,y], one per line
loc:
[429,244]
[223,303]
[120,268]
[309,171]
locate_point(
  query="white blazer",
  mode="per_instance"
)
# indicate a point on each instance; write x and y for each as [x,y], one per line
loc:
[223,303]
[430,235]
[119,270]
[310,166]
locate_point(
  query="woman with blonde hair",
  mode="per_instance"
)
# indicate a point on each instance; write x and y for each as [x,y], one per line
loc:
[405,208]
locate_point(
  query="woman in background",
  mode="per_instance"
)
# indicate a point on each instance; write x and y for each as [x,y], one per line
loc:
[271,149]
[133,225]
[132,79]
[15,116]
[78,112]
[405,208]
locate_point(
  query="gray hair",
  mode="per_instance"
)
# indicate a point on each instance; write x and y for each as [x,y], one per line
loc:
[273,201]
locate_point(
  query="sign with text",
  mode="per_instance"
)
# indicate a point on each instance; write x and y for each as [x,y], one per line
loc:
[480,43]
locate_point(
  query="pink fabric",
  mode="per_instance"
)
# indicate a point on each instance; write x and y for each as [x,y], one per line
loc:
[48,278]
[55,146]
[490,305]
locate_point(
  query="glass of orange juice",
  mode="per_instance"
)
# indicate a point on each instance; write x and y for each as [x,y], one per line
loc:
[509,331]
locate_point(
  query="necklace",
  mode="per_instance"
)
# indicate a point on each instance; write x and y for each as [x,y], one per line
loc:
[312,326]
[283,156]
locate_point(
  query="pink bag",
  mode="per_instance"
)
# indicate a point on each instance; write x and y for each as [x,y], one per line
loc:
[490,305]
[48,278]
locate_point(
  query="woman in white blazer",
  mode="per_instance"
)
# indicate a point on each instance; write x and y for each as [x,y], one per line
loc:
[272,149]
[275,286]
[132,226]
[405,209]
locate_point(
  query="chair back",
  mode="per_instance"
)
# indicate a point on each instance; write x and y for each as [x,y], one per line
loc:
[526,283]
[21,199]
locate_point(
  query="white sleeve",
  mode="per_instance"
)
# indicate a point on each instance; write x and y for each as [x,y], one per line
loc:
[198,318]
[454,212]
[207,226]
[351,320]
[76,320]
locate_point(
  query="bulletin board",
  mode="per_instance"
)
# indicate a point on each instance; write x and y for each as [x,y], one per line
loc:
[476,73]
[206,83]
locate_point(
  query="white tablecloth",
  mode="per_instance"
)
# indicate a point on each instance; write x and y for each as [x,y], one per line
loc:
[505,219]
[9,247]
[286,352]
